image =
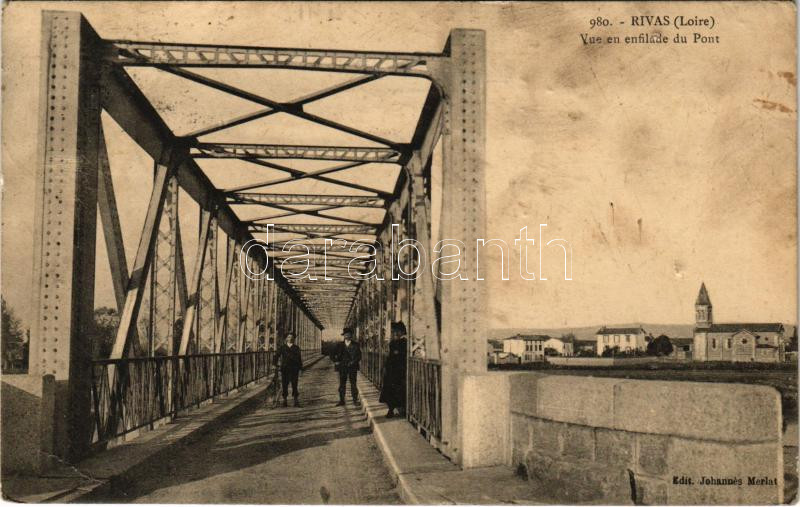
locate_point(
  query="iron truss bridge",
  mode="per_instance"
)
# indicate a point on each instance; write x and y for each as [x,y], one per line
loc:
[189,331]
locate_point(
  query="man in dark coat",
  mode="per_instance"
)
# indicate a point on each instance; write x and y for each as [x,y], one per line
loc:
[347,358]
[393,392]
[291,362]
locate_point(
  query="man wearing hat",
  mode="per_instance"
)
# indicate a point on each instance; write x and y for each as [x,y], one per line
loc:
[347,358]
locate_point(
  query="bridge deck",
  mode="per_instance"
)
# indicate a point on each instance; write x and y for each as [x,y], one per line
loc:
[235,450]
[317,453]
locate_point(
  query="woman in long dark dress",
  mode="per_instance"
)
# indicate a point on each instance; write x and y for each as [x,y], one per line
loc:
[393,392]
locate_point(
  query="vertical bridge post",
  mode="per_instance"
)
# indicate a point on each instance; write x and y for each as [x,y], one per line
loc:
[65,224]
[463,324]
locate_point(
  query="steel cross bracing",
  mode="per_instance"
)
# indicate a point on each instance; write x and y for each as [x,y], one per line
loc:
[316,212]
[290,108]
[295,175]
[296,103]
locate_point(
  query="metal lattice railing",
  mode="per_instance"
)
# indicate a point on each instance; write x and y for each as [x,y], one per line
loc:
[128,394]
[424,400]
[372,363]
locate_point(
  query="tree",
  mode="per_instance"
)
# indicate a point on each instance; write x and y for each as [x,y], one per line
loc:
[660,346]
[106,321]
[14,348]
[550,351]
[792,345]
[570,342]
[12,330]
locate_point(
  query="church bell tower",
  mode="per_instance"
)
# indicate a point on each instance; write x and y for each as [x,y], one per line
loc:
[702,309]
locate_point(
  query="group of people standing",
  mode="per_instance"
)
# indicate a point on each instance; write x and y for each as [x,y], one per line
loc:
[347,359]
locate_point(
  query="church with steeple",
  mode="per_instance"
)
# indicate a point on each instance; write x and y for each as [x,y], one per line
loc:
[742,342]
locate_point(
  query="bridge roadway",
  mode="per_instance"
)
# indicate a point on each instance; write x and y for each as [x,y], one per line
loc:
[317,453]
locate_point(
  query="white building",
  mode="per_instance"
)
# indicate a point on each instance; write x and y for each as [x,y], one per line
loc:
[564,346]
[529,348]
[625,338]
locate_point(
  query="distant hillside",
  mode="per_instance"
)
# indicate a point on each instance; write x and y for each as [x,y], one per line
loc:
[588,332]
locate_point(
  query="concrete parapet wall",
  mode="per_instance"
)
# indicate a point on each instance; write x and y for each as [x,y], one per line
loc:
[598,440]
[484,428]
[28,403]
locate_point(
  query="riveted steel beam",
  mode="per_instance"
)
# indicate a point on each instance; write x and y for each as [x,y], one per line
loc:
[287,151]
[205,55]
[312,255]
[318,261]
[316,294]
[316,228]
[354,201]
[329,286]
[340,245]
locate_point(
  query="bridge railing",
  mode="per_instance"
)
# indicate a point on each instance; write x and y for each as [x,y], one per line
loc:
[372,362]
[130,393]
[424,403]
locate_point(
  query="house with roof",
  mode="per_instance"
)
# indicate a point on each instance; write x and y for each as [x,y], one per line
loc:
[734,341]
[625,338]
[682,348]
[494,346]
[529,347]
[563,345]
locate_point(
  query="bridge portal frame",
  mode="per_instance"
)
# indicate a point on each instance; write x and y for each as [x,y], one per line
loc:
[83,74]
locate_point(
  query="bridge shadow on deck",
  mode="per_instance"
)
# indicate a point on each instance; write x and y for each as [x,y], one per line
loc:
[251,435]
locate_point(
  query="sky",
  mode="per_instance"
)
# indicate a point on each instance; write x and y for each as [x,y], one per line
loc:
[662,166]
